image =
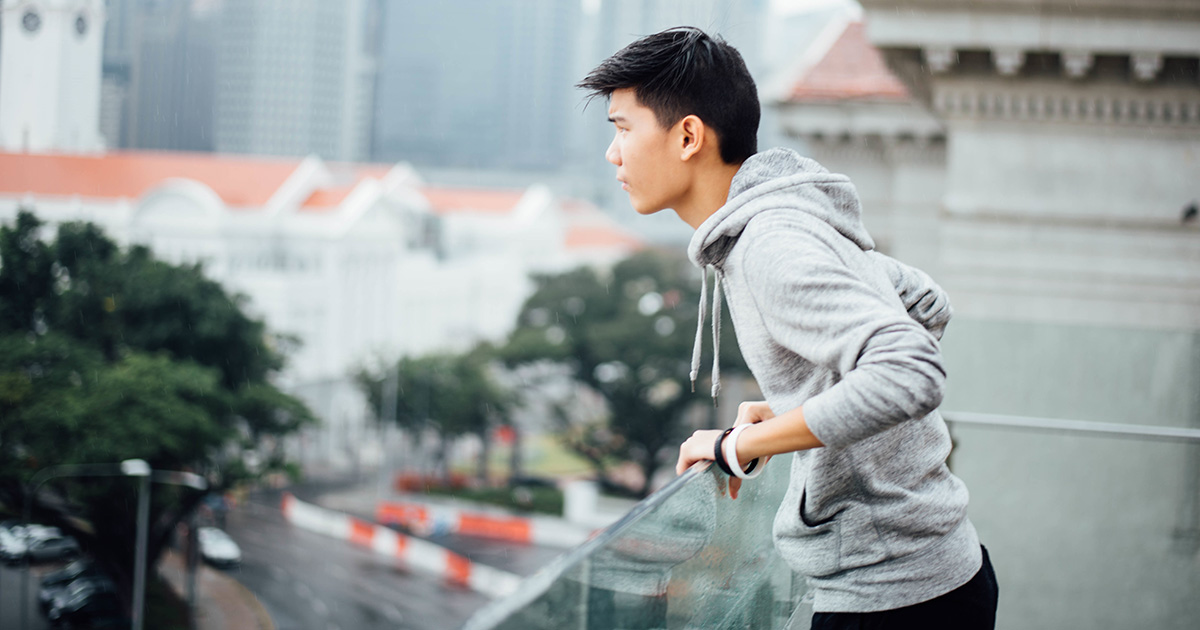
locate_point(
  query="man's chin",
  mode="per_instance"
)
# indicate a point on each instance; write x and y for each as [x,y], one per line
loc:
[644,209]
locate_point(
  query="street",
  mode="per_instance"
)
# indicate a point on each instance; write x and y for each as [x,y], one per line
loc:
[10,593]
[307,581]
[310,582]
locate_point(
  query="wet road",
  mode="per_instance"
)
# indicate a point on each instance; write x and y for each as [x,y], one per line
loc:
[306,581]
[10,592]
[310,582]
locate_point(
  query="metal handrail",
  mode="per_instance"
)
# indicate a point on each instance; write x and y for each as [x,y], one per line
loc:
[1108,429]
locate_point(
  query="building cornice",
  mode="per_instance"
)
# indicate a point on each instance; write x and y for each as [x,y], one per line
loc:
[1039,102]
[1154,41]
[1122,9]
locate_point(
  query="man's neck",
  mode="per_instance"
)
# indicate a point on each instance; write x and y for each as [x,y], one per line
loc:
[708,193]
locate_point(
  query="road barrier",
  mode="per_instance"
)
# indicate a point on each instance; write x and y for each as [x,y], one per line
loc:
[415,552]
[435,519]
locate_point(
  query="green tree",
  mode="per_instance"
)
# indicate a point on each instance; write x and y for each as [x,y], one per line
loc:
[109,354]
[26,276]
[627,336]
[452,394]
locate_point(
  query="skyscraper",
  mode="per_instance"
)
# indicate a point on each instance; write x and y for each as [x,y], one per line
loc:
[294,78]
[172,86]
[474,83]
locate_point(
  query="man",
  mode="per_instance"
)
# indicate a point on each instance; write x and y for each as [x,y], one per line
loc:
[841,339]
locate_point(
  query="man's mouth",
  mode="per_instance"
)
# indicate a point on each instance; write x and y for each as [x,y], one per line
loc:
[624,186]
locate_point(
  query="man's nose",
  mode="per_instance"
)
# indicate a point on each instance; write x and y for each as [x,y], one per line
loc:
[613,154]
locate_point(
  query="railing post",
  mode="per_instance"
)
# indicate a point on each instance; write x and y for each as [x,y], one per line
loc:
[139,570]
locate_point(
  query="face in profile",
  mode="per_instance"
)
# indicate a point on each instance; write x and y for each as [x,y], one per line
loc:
[647,167]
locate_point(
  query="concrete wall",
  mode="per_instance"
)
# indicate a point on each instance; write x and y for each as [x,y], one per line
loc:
[1085,532]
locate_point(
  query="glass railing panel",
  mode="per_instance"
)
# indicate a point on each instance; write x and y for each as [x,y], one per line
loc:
[1088,524]
[686,557]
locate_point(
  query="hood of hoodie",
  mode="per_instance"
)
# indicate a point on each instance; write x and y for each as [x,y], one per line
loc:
[779,179]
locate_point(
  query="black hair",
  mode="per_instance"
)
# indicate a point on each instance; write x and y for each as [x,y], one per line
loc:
[683,71]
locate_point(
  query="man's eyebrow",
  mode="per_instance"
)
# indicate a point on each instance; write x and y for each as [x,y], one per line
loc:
[616,119]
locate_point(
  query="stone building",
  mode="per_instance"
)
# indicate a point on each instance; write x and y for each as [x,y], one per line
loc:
[1041,159]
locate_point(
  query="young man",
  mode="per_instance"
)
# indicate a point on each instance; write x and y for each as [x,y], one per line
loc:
[841,339]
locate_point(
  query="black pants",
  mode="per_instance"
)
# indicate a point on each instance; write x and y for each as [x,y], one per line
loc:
[971,606]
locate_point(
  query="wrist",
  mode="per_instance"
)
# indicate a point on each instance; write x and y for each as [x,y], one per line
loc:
[740,466]
[746,444]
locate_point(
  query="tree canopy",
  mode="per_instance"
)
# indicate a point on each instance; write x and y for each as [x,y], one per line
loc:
[453,395]
[108,354]
[628,336]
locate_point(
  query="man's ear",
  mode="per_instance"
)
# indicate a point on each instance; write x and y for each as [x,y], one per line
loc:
[692,136]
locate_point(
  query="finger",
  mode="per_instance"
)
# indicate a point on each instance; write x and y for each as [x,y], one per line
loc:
[742,414]
[735,484]
[685,460]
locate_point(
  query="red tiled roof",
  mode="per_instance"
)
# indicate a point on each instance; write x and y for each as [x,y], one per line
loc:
[244,182]
[327,198]
[590,228]
[577,207]
[238,180]
[852,69]
[448,200]
[592,236]
[360,171]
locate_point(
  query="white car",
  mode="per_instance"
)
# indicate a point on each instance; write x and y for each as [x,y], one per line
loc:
[217,548]
[12,544]
[16,539]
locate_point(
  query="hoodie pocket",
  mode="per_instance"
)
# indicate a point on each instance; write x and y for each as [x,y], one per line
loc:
[812,548]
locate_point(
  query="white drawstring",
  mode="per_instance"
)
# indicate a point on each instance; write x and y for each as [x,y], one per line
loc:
[716,326]
[716,332]
[699,326]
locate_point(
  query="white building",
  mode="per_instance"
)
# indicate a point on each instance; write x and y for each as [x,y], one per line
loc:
[1040,160]
[50,75]
[362,263]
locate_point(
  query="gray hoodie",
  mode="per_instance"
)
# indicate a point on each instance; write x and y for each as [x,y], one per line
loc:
[874,519]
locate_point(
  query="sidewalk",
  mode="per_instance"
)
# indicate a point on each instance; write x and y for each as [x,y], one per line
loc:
[222,602]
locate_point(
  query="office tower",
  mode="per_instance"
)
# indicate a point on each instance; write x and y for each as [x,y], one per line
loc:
[293,78]
[476,84]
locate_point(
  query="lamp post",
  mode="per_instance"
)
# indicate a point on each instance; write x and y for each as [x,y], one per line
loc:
[128,468]
[139,468]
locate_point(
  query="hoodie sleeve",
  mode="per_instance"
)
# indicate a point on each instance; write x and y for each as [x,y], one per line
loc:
[925,301]
[888,367]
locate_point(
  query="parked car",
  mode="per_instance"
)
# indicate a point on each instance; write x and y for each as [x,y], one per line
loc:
[217,548]
[71,572]
[84,600]
[12,544]
[51,549]
[16,539]
[58,581]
